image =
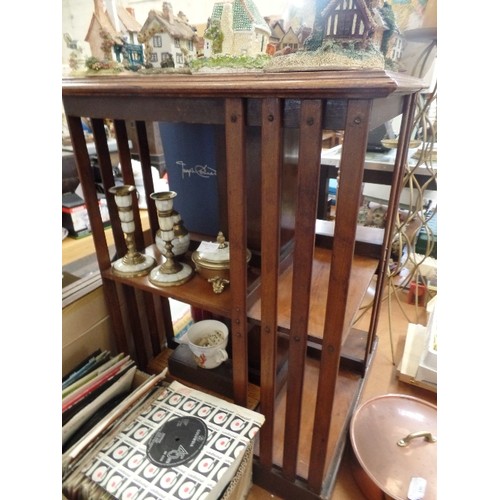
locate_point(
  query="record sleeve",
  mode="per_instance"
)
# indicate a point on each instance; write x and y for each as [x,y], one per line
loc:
[122,468]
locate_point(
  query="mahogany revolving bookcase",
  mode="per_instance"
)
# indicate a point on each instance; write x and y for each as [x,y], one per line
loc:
[299,292]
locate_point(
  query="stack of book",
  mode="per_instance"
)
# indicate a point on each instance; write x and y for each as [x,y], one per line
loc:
[91,390]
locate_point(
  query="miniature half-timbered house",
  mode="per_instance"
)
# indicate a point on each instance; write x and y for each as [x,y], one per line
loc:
[168,40]
[348,20]
[244,31]
[361,21]
[113,32]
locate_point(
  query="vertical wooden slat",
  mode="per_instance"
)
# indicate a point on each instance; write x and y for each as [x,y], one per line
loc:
[347,206]
[409,106]
[113,305]
[159,316]
[166,315]
[134,322]
[162,319]
[326,173]
[237,223]
[271,172]
[307,195]
[145,158]
[131,299]
[101,144]
[124,152]
[82,160]
[100,243]
[154,335]
[128,177]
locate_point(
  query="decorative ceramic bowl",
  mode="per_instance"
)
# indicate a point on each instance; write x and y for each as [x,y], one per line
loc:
[211,261]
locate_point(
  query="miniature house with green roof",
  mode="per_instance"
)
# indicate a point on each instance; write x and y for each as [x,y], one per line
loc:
[236,27]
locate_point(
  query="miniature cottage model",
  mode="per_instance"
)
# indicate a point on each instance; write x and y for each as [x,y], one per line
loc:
[361,21]
[169,41]
[277,33]
[244,31]
[349,19]
[112,33]
[283,39]
[289,40]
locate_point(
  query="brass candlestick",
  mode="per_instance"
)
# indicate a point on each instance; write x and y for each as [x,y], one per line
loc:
[133,263]
[180,243]
[171,272]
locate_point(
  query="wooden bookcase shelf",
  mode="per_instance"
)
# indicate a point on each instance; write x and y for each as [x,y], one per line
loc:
[291,312]
[362,272]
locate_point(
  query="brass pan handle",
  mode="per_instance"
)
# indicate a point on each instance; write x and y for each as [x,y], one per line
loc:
[425,434]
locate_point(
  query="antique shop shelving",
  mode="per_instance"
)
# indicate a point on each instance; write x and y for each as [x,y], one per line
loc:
[304,290]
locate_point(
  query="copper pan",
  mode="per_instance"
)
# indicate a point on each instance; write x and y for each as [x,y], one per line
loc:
[393,439]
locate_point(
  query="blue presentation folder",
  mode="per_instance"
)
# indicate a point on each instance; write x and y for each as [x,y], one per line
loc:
[191,165]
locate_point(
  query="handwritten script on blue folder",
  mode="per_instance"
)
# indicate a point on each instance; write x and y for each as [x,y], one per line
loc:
[191,164]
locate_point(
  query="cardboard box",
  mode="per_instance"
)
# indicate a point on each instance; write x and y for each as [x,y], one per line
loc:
[76,219]
[86,326]
[427,368]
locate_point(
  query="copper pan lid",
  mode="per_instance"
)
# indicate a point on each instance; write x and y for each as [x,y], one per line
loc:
[394,439]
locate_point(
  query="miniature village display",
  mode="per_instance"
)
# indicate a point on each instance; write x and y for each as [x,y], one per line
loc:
[345,34]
